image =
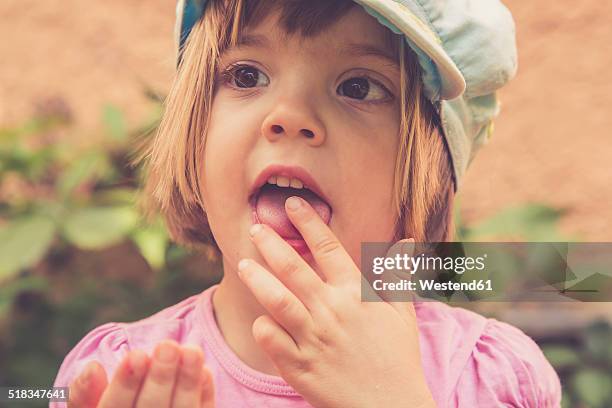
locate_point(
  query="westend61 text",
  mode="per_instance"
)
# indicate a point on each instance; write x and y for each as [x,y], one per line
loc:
[430,284]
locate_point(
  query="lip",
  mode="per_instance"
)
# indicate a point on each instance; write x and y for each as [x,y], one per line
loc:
[285,171]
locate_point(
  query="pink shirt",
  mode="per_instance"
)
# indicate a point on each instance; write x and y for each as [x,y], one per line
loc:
[469,361]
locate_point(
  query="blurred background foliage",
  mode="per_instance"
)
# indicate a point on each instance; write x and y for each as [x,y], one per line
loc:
[75,253]
[74,250]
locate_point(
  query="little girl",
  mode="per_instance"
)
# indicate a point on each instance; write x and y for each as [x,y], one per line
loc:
[295,130]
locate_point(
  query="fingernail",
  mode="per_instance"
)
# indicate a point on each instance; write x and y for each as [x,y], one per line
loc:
[293,203]
[255,229]
[243,264]
[166,353]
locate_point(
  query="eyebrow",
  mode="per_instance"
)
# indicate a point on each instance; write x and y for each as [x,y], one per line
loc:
[367,50]
[253,40]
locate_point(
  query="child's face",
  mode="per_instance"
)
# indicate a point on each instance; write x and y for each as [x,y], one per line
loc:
[328,105]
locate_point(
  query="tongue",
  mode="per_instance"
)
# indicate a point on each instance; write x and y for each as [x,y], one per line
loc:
[270,208]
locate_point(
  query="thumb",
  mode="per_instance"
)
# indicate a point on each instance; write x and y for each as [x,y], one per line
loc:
[402,297]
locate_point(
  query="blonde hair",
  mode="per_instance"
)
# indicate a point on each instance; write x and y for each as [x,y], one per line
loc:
[423,184]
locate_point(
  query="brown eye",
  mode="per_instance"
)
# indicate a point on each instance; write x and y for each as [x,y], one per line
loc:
[245,76]
[362,88]
[356,88]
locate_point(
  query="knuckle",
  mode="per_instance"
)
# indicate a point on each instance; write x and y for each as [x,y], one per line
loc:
[190,377]
[283,304]
[288,268]
[162,375]
[336,316]
[324,339]
[338,309]
[189,380]
[302,365]
[261,331]
[326,245]
[349,291]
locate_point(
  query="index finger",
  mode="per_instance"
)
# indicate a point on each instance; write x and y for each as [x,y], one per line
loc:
[335,263]
[125,384]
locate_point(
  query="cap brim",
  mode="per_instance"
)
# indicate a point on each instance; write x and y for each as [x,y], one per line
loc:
[452,81]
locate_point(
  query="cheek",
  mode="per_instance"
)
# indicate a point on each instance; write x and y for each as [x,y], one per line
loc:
[222,175]
[225,151]
[367,210]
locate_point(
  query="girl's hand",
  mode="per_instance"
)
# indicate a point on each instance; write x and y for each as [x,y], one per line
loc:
[334,349]
[174,377]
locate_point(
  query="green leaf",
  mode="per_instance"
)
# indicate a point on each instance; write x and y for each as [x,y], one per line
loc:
[39,163]
[116,196]
[561,357]
[23,243]
[114,122]
[152,242]
[88,167]
[592,387]
[533,222]
[99,227]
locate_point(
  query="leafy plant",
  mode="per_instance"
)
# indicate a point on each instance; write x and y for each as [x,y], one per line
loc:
[584,364]
[80,196]
[74,250]
[533,222]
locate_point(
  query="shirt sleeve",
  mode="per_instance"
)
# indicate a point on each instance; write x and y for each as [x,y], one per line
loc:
[507,369]
[106,344]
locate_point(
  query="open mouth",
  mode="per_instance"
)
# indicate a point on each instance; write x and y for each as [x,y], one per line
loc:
[268,205]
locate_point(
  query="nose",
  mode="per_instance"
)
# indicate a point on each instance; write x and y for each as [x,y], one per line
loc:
[290,120]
